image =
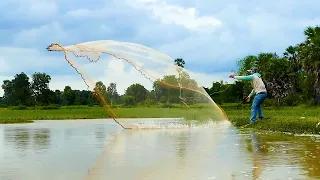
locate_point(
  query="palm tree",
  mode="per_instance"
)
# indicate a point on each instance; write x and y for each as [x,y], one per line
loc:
[310,57]
[179,62]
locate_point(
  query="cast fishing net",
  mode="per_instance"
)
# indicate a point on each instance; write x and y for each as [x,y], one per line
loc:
[153,85]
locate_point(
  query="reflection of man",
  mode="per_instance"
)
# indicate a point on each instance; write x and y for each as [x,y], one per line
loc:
[259,90]
[256,151]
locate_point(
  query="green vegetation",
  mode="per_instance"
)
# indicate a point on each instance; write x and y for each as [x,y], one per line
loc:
[22,113]
[292,80]
[299,119]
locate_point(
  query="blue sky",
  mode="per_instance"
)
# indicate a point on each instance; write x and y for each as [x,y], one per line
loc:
[209,35]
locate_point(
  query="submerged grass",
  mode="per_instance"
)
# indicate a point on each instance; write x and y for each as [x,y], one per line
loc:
[301,119]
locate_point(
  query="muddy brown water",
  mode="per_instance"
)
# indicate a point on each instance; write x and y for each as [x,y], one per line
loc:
[100,149]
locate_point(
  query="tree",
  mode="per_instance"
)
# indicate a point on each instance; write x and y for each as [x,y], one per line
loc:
[40,88]
[309,54]
[69,95]
[278,78]
[246,63]
[292,55]
[100,93]
[129,100]
[179,62]
[112,92]
[21,89]
[8,96]
[101,87]
[167,89]
[58,97]
[275,71]
[138,91]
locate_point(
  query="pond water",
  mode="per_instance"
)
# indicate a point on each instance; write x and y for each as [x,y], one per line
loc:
[100,149]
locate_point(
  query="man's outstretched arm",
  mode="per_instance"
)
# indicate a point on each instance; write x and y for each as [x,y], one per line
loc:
[248,78]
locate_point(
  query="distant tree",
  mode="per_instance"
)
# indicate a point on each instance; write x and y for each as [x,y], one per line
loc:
[112,92]
[21,89]
[138,91]
[58,97]
[100,93]
[292,55]
[8,96]
[309,54]
[69,95]
[40,88]
[179,62]
[129,100]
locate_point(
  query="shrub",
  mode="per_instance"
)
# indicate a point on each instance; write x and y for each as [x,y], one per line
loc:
[292,99]
[129,101]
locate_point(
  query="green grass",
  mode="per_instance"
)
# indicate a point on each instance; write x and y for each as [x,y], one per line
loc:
[301,119]
[22,115]
[283,119]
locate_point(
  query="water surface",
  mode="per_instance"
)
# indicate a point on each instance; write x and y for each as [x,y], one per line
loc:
[100,149]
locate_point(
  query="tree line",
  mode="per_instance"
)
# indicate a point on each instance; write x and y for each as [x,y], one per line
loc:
[23,91]
[291,79]
[294,77]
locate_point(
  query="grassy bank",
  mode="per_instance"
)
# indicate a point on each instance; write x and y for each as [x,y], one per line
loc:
[18,115]
[300,119]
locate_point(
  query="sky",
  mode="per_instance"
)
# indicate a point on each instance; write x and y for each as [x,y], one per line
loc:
[211,36]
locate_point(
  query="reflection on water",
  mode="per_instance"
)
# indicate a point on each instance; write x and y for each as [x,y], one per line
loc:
[98,149]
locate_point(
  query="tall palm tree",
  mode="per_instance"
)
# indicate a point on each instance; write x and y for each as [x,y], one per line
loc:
[179,62]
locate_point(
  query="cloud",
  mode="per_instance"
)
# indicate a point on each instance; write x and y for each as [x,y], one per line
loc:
[14,60]
[209,35]
[29,10]
[173,14]
[43,35]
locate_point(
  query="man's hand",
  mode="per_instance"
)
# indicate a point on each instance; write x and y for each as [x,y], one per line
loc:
[231,76]
[248,99]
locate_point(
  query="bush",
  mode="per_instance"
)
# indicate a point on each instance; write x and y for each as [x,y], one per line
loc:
[271,102]
[48,107]
[167,105]
[129,101]
[292,99]
[3,106]
[19,107]
[148,103]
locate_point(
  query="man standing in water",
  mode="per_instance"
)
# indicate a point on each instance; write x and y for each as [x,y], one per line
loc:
[259,90]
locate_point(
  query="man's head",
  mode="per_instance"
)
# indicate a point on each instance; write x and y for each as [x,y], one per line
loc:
[252,70]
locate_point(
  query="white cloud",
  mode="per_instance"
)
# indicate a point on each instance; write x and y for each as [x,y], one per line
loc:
[15,60]
[206,80]
[53,32]
[174,14]
[58,82]
[4,67]
[32,10]
[79,13]
[210,34]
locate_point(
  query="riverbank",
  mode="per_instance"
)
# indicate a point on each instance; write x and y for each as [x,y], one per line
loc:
[299,119]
